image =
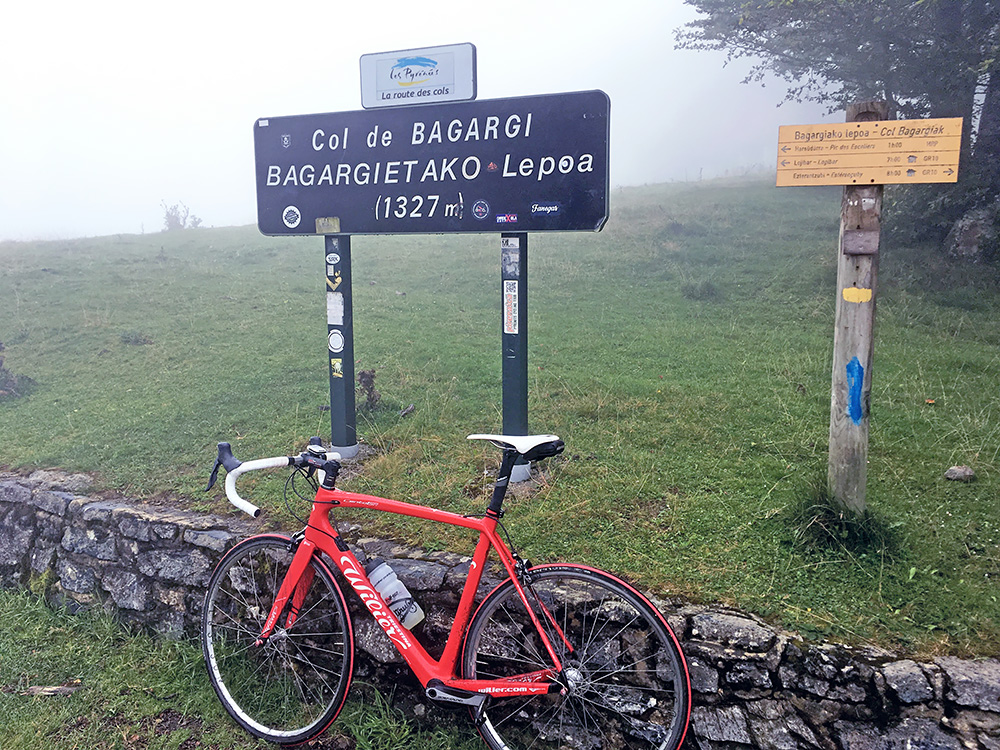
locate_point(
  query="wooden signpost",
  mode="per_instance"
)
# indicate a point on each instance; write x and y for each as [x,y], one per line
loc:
[865,153]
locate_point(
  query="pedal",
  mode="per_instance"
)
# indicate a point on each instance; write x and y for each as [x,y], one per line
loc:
[451,697]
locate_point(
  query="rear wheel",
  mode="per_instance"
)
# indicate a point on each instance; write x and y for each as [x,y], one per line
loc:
[625,679]
[291,687]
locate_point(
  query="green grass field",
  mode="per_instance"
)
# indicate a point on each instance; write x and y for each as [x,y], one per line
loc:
[682,354]
[81,682]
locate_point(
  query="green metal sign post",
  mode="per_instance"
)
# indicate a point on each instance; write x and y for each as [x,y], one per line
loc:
[514,327]
[340,338]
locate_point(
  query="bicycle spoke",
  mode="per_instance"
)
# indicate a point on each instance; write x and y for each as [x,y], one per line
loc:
[308,661]
[332,652]
[237,625]
[248,648]
[298,679]
[621,669]
[306,612]
[584,715]
[537,659]
[557,711]
[291,685]
[533,663]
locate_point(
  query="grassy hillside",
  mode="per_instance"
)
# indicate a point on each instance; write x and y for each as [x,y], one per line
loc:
[683,354]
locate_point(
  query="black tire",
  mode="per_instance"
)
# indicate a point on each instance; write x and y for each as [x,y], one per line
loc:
[627,680]
[291,688]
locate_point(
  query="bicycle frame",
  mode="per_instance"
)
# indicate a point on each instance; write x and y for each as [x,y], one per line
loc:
[321,536]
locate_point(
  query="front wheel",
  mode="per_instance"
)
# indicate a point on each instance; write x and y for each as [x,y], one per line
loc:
[625,681]
[291,687]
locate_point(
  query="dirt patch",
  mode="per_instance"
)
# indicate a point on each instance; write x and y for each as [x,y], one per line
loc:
[355,466]
[332,742]
[136,734]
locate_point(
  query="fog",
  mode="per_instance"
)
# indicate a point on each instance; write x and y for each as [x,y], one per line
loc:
[110,109]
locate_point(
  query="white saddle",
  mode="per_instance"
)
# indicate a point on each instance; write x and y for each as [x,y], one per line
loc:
[520,443]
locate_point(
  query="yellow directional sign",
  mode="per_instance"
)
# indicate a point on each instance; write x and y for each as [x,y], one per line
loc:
[870,153]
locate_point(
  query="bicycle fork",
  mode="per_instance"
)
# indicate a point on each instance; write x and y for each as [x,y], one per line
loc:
[295,587]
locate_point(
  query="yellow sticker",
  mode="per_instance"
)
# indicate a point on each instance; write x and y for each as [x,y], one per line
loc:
[854,294]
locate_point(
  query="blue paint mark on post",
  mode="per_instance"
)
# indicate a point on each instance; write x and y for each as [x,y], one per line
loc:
[855,380]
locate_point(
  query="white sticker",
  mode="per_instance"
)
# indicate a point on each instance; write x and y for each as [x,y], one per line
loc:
[510,243]
[332,258]
[335,308]
[291,216]
[510,262]
[336,341]
[509,306]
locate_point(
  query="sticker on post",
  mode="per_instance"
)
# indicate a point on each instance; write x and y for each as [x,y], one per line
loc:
[510,262]
[328,225]
[550,208]
[510,307]
[480,209]
[336,341]
[335,308]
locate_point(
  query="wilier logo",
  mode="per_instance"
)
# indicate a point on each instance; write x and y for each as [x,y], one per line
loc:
[286,140]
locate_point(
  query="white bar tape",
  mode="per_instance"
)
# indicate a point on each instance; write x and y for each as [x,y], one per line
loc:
[260,463]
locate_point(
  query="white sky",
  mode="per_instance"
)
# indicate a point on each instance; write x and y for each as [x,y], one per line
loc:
[108,108]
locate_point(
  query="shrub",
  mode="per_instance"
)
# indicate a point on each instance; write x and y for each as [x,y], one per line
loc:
[178,216]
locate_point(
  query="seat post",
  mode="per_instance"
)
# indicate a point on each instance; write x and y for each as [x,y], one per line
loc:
[503,479]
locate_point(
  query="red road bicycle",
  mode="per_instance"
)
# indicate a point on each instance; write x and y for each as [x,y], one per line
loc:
[556,656]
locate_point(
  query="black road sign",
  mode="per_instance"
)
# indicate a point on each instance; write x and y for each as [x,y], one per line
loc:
[529,164]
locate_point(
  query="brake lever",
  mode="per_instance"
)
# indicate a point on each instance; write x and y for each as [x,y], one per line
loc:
[226,460]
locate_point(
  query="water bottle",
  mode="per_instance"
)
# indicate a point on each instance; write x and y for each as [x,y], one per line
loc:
[395,594]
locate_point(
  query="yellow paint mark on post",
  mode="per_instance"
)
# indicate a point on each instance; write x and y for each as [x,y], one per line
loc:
[857,294]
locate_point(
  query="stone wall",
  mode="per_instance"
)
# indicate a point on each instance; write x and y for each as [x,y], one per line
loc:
[149,565]
[753,686]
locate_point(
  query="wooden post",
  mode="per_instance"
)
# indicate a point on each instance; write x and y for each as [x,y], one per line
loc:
[857,284]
